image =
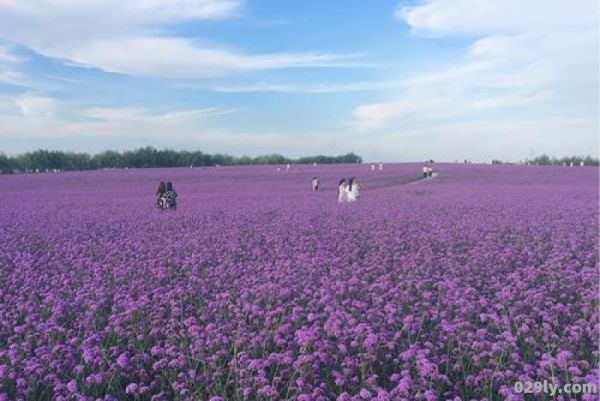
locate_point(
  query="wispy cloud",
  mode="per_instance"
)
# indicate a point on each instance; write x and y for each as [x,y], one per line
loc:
[307,87]
[474,17]
[525,56]
[9,67]
[32,105]
[30,115]
[130,38]
[181,58]
[138,115]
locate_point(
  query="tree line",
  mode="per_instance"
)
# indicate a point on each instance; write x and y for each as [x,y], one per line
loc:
[545,160]
[50,160]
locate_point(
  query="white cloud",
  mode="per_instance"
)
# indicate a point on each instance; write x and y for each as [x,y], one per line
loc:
[486,140]
[29,115]
[537,58]
[359,86]
[181,58]
[477,17]
[9,63]
[35,106]
[8,57]
[137,115]
[130,37]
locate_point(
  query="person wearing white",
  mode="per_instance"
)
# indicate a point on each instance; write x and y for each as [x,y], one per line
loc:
[342,191]
[425,171]
[353,190]
[380,166]
[430,171]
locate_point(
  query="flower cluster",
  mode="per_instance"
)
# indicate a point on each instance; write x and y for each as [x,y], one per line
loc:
[258,288]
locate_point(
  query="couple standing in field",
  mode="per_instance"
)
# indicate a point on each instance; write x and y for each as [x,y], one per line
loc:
[166,197]
[348,191]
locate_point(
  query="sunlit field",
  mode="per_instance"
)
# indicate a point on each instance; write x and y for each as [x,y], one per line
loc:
[257,288]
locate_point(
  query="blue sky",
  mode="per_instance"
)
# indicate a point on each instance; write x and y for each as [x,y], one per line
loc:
[390,80]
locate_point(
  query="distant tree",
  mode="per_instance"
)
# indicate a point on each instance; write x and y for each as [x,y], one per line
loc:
[545,160]
[7,164]
[108,159]
[46,160]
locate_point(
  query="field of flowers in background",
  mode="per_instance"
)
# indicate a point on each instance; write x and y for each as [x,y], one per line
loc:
[258,289]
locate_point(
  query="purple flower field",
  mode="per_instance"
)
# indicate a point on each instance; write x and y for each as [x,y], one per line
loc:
[256,288]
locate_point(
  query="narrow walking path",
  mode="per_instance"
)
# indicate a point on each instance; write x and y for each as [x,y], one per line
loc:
[420,180]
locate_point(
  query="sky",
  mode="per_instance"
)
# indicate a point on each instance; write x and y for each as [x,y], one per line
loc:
[390,80]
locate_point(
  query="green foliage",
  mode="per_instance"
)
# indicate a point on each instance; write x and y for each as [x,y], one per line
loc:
[545,160]
[45,160]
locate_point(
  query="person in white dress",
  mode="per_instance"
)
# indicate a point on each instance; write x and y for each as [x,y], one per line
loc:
[353,190]
[342,191]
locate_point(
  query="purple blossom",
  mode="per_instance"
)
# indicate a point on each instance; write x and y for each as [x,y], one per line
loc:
[72,386]
[453,288]
[131,388]
[123,360]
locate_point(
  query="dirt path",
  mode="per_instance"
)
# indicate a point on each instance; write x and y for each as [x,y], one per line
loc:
[420,180]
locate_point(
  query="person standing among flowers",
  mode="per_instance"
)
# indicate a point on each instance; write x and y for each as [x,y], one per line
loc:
[353,188]
[160,193]
[170,197]
[342,191]
[315,183]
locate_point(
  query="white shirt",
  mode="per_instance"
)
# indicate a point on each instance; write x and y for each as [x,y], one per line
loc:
[342,193]
[353,194]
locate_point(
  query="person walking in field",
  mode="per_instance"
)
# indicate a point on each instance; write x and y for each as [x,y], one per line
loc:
[425,171]
[342,191]
[315,183]
[430,171]
[353,190]
[160,195]
[170,197]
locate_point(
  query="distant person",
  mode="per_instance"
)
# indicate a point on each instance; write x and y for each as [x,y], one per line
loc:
[160,195]
[315,183]
[372,166]
[430,171]
[380,166]
[170,196]
[353,190]
[343,191]
[425,171]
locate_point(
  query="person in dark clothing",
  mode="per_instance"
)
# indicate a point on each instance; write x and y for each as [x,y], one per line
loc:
[160,195]
[170,196]
[315,183]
